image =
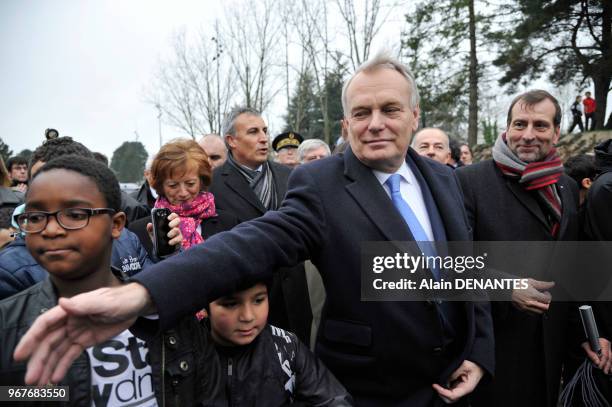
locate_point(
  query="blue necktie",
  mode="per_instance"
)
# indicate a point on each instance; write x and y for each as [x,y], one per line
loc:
[428,249]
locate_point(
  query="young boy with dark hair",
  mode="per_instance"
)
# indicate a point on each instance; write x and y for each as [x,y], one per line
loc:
[71,218]
[265,365]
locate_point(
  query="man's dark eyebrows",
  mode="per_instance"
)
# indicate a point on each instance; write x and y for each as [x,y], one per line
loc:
[358,107]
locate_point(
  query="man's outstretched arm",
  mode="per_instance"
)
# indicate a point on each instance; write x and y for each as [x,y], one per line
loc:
[61,334]
[179,285]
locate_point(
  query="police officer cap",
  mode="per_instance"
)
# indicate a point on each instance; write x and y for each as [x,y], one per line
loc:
[287,139]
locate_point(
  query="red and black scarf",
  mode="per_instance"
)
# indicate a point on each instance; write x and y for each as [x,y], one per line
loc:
[539,176]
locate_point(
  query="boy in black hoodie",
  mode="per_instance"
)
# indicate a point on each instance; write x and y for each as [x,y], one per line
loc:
[264,365]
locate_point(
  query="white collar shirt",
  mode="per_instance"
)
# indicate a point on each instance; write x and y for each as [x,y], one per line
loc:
[412,194]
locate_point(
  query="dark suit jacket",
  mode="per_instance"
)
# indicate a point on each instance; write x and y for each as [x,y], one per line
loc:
[289,301]
[529,348]
[385,353]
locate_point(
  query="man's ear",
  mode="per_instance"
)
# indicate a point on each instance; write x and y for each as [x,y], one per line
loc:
[416,112]
[586,183]
[118,220]
[555,139]
[229,139]
[345,127]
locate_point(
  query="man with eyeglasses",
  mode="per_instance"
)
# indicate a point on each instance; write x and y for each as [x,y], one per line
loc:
[19,270]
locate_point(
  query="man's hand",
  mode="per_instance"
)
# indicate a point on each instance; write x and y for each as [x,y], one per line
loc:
[535,298]
[175,235]
[61,334]
[23,188]
[463,381]
[603,361]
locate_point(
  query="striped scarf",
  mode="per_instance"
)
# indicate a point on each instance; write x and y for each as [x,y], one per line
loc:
[261,182]
[539,176]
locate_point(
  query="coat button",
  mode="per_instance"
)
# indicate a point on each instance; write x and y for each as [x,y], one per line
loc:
[437,351]
[172,340]
[184,366]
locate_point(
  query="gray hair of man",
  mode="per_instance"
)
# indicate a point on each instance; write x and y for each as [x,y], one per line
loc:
[228,126]
[311,144]
[383,59]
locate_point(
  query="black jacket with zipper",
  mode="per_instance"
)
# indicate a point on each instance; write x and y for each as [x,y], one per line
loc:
[184,364]
[274,370]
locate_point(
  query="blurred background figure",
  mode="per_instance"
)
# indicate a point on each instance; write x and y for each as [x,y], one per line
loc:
[466,154]
[576,110]
[432,143]
[7,231]
[146,195]
[18,173]
[455,154]
[589,111]
[312,149]
[215,148]
[581,168]
[286,145]
[8,197]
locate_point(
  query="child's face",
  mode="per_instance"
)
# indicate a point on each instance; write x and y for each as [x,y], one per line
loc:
[237,319]
[70,254]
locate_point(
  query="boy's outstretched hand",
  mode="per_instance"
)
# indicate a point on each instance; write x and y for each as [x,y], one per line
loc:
[58,336]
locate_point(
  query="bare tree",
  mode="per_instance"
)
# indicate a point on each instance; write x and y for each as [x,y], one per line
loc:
[310,20]
[362,28]
[192,88]
[253,39]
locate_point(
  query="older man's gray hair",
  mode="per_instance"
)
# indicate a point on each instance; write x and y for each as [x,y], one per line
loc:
[308,145]
[228,126]
[383,59]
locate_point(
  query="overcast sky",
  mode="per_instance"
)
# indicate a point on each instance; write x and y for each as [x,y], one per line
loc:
[82,67]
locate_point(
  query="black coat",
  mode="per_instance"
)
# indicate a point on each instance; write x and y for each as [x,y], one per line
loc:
[529,348]
[144,195]
[276,369]
[289,301]
[133,209]
[385,353]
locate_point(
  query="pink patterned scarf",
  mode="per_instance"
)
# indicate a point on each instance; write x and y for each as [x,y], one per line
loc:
[191,215]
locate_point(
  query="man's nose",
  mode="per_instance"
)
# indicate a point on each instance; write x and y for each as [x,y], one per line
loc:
[529,133]
[376,122]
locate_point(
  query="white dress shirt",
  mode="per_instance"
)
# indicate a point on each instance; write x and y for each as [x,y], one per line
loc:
[412,194]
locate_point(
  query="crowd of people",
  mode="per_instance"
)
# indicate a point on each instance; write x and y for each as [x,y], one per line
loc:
[260,302]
